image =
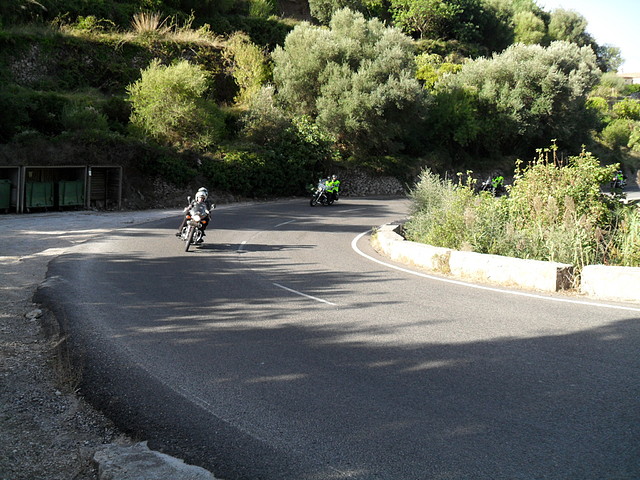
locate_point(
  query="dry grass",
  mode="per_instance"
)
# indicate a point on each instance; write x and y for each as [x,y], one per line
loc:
[150,22]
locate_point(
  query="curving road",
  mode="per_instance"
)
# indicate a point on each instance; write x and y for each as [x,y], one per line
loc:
[283,349]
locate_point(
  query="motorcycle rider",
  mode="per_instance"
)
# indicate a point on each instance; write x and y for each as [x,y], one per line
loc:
[333,186]
[202,195]
[618,181]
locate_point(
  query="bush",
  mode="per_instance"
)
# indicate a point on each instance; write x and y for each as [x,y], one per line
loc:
[526,95]
[83,116]
[168,105]
[22,109]
[248,66]
[283,165]
[617,134]
[553,212]
[355,80]
[627,108]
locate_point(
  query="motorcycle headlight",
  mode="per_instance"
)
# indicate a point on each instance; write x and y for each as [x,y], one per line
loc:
[196,218]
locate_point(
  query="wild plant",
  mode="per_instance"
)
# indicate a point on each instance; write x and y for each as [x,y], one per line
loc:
[556,210]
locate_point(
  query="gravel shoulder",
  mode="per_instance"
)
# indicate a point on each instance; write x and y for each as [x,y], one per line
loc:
[46,430]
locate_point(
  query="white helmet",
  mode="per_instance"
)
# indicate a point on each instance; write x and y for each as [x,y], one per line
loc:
[202,192]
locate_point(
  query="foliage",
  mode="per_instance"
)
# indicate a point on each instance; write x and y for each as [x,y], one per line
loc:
[627,109]
[168,104]
[285,153]
[426,18]
[431,68]
[323,10]
[262,8]
[625,244]
[248,66]
[525,95]
[27,110]
[617,134]
[529,28]
[610,85]
[355,80]
[553,212]
[609,57]
[150,22]
[83,116]
[472,27]
[568,25]
[455,119]
[438,212]
[282,167]
[263,121]
[634,138]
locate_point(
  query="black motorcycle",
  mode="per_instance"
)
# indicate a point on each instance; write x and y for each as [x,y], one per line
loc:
[320,195]
[197,219]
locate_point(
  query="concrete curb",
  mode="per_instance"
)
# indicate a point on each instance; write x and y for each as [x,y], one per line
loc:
[600,281]
[138,462]
[611,283]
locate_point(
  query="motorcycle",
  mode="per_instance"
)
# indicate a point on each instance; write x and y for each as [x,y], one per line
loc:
[320,195]
[496,188]
[618,182]
[197,218]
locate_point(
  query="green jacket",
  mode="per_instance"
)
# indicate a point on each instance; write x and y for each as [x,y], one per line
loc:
[332,185]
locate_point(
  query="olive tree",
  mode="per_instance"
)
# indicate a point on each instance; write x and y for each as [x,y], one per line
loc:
[568,25]
[528,95]
[356,80]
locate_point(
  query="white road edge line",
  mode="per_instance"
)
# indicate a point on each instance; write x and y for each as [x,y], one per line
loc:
[303,294]
[482,287]
[284,223]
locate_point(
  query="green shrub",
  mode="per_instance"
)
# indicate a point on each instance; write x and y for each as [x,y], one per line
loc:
[168,104]
[525,95]
[553,212]
[284,166]
[83,116]
[262,8]
[248,66]
[617,134]
[24,109]
[627,109]
[634,138]
[356,80]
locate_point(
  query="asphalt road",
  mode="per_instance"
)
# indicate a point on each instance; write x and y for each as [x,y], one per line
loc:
[282,350]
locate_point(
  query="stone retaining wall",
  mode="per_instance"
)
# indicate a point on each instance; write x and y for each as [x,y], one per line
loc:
[359,184]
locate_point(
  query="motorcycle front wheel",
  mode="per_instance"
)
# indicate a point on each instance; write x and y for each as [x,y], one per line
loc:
[314,201]
[190,233]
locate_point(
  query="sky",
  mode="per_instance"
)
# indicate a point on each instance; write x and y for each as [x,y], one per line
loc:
[610,22]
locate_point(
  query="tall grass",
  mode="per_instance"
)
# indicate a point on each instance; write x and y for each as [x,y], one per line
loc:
[150,22]
[146,27]
[553,212]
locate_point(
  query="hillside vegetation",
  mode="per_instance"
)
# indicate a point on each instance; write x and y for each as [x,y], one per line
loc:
[258,98]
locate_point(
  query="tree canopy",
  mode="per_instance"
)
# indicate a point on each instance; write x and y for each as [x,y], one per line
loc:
[355,79]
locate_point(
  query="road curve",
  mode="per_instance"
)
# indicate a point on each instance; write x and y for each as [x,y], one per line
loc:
[278,351]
